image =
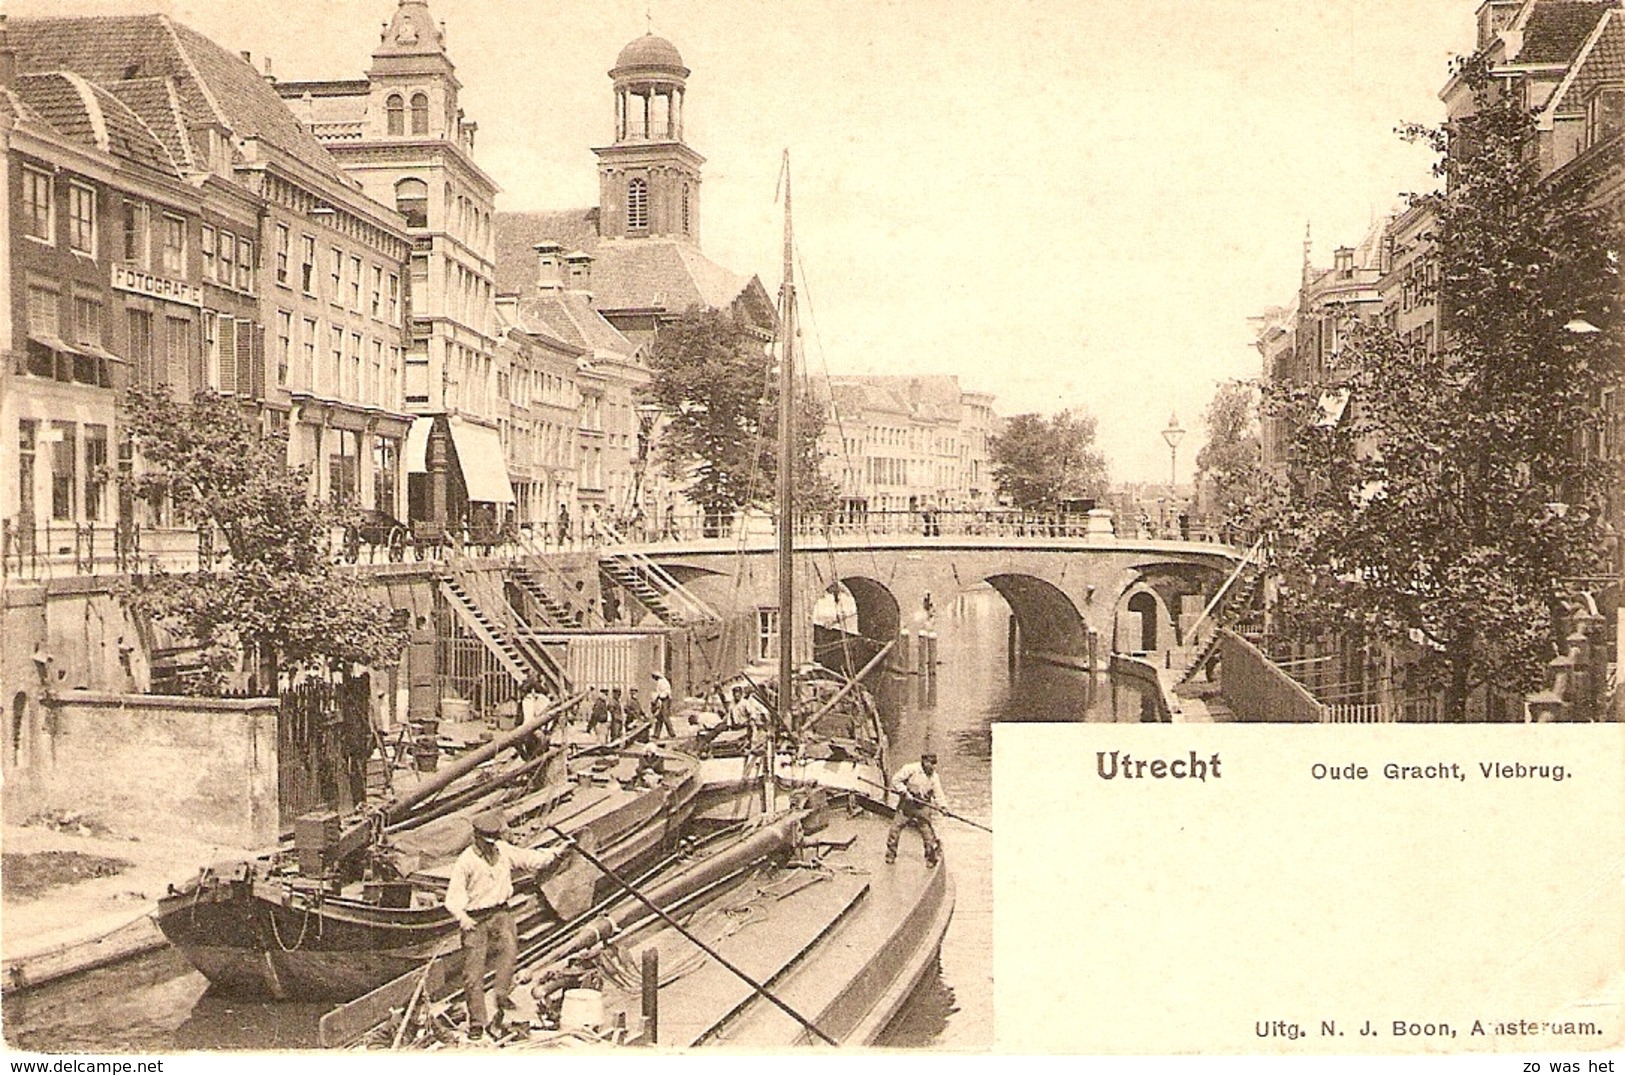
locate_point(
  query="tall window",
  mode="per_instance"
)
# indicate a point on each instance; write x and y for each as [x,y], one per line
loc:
[637,205]
[420,113]
[82,219]
[307,264]
[135,234]
[335,293]
[394,299]
[245,265]
[44,317]
[226,266]
[283,240]
[180,360]
[38,210]
[284,345]
[95,471]
[412,202]
[395,111]
[307,368]
[377,290]
[174,245]
[209,244]
[336,384]
[64,468]
[141,348]
[355,284]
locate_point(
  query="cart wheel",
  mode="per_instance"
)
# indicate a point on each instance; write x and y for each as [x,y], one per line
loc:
[397,545]
[351,550]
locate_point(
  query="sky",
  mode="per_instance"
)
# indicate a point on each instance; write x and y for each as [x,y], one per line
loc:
[1067,203]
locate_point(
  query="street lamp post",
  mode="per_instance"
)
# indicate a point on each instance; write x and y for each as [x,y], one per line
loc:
[1173,435]
[648,415]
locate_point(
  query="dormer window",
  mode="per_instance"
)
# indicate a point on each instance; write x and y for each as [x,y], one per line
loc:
[637,205]
[420,113]
[395,113]
[1605,116]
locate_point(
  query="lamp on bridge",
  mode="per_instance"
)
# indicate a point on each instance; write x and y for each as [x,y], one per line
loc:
[1173,435]
[648,415]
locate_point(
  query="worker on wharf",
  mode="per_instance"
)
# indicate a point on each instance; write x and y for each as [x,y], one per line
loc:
[477,896]
[660,705]
[919,791]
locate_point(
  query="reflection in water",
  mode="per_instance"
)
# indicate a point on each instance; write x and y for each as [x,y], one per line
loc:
[953,713]
[159,1004]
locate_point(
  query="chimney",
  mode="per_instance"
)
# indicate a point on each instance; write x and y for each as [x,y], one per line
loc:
[269,77]
[578,271]
[549,267]
[248,57]
[8,59]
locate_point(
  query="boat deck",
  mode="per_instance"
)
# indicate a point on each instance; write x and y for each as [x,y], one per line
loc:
[842,942]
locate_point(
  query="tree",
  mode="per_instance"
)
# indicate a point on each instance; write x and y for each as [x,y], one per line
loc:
[1040,461]
[279,604]
[716,382]
[1449,503]
[1230,458]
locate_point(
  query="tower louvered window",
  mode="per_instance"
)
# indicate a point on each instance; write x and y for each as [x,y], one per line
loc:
[637,205]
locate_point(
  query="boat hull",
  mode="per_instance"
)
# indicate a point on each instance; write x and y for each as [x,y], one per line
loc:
[263,935]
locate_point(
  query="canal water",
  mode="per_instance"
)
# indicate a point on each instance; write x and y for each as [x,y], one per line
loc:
[158,1004]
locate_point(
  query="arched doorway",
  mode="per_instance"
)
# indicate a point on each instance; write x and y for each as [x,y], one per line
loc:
[1144,604]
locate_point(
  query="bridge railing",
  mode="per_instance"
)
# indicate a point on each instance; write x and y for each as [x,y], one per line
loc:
[995,522]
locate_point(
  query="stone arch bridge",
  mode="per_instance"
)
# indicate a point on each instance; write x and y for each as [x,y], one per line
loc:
[1130,595]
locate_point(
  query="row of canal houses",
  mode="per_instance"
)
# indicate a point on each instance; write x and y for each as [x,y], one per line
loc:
[328,252]
[1567,57]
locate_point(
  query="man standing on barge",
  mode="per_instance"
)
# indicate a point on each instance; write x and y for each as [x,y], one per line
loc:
[919,791]
[481,885]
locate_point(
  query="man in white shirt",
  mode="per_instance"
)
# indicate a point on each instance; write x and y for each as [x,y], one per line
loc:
[477,896]
[660,706]
[919,791]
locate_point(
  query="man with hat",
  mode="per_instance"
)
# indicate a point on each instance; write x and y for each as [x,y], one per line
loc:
[919,791]
[480,886]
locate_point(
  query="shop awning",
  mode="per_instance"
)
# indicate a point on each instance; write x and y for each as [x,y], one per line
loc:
[417,446]
[485,466]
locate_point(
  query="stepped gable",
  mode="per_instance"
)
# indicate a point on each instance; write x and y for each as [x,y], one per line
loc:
[212,85]
[92,116]
[1557,28]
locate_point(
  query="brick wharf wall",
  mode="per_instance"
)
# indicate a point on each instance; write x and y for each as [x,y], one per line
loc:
[152,765]
[1256,690]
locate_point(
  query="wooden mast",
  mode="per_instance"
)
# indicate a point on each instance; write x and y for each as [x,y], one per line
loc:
[786,483]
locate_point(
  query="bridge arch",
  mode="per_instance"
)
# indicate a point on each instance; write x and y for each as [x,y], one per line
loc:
[1051,626]
[1143,621]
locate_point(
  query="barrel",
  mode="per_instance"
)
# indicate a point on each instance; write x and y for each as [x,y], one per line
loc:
[426,754]
[583,1009]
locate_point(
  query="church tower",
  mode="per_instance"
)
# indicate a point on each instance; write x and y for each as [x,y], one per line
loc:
[413,84]
[649,180]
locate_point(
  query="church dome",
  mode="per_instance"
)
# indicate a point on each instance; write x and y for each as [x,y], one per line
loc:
[650,51]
